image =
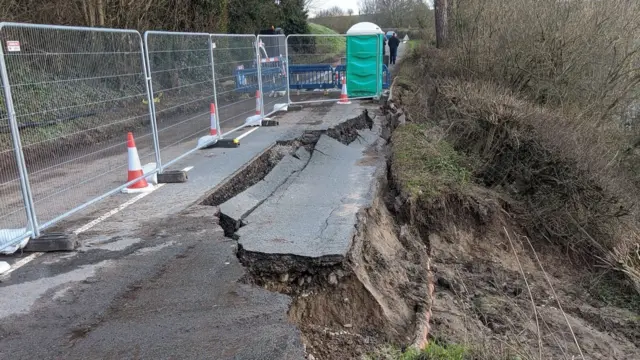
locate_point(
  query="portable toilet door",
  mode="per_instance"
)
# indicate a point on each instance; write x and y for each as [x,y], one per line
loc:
[365,43]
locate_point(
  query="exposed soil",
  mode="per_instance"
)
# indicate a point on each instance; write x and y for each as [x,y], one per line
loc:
[376,297]
[500,289]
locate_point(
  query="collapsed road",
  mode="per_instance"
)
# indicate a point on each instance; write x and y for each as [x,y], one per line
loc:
[164,278]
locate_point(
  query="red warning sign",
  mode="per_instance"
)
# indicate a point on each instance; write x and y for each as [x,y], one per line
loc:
[13,46]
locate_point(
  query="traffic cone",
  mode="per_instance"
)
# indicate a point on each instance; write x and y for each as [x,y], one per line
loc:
[213,137]
[213,129]
[344,98]
[258,102]
[135,169]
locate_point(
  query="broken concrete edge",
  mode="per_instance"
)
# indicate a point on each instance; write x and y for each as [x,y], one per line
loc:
[232,224]
[251,173]
[274,265]
[308,140]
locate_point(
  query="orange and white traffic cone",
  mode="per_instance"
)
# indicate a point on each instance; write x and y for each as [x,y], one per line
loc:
[344,98]
[214,135]
[258,102]
[213,129]
[135,169]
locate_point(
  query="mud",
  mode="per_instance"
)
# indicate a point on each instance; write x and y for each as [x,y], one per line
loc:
[501,294]
[379,294]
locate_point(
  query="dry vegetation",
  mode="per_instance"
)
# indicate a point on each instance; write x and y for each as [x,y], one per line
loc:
[529,197]
[544,104]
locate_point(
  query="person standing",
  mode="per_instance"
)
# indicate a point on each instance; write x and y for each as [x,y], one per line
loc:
[394,42]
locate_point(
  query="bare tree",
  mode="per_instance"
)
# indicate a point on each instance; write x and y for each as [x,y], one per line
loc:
[441,22]
[350,12]
[330,12]
[368,7]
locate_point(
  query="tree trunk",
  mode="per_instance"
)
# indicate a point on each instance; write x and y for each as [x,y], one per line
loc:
[441,22]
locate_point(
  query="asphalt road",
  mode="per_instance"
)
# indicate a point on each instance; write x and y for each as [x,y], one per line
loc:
[175,294]
[61,183]
[155,280]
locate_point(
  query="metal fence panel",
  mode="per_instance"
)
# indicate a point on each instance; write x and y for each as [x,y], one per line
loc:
[272,50]
[15,222]
[236,79]
[317,66]
[76,92]
[182,86]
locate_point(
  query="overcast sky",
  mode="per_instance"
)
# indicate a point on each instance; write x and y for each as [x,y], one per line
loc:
[344,4]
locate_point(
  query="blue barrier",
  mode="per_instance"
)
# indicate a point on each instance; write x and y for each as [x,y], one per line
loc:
[309,77]
[301,77]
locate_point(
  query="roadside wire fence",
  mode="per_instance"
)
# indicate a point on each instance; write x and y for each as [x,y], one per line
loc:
[318,64]
[71,95]
[272,50]
[14,217]
[236,76]
[315,62]
[76,93]
[182,87]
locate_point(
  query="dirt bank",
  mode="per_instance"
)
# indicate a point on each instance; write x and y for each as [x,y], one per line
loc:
[512,227]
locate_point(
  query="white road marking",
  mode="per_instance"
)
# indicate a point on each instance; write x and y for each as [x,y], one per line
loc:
[247,133]
[114,211]
[120,208]
[22,262]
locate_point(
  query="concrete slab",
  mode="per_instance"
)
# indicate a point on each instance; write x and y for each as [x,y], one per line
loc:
[314,214]
[240,205]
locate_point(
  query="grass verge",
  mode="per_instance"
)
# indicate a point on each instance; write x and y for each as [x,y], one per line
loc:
[425,165]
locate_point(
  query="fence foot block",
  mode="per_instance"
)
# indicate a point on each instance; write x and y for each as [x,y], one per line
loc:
[270,123]
[54,241]
[227,143]
[295,107]
[174,176]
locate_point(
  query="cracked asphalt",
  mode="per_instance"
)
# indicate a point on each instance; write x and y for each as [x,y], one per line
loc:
[179,297]
[158,279]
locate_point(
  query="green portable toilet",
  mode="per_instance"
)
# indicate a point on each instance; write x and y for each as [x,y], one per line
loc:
[365,42]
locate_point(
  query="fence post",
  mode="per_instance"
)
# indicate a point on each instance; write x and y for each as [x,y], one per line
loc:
[17,147]
[259,67]
[215,92]
[286,58]
[144,45]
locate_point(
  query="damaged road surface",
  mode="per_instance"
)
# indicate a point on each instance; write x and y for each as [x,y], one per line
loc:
[311,216]
[316,228]
[281,249]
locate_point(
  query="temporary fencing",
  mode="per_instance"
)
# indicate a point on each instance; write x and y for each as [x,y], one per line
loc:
[318,64]
[272,50]
[181,71]
[72,95]
[14,207]
[236,79]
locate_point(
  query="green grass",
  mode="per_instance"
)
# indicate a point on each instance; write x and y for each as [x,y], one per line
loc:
[326,49]
[426,167]
[319,29]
